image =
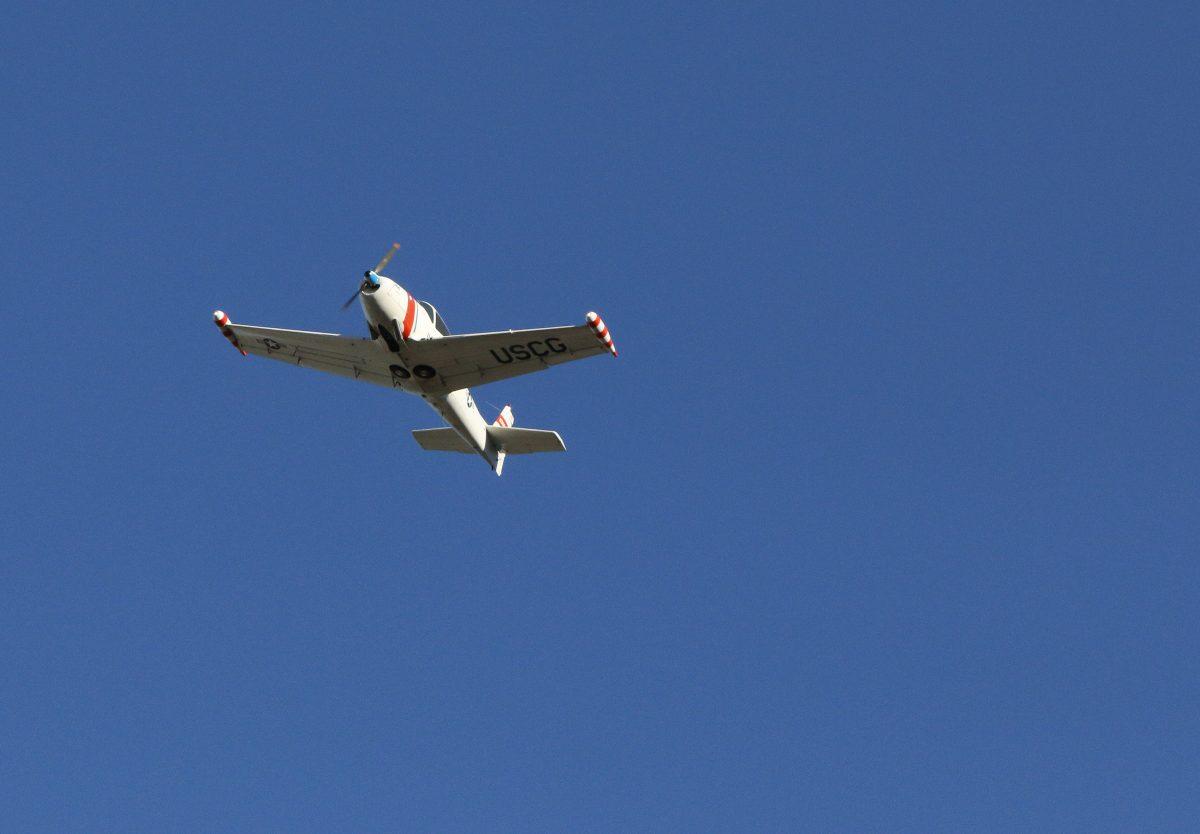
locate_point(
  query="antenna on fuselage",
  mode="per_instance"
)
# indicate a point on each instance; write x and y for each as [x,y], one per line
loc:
[367,275]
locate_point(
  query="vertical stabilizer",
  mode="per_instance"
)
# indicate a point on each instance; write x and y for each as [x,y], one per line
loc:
[505,418]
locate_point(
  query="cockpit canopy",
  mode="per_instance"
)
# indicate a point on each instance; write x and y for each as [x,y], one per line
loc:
[435,318]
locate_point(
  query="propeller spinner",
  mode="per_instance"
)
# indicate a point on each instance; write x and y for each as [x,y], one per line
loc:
[371,276]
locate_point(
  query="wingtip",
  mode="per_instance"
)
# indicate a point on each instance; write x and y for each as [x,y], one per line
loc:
[600,331]
[221,320]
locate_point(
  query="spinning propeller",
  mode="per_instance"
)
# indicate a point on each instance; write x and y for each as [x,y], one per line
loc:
[371,276]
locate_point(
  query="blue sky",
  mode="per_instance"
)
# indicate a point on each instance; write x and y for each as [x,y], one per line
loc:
[884,519]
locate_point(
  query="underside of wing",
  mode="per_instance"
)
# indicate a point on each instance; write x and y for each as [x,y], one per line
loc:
[342,355]
[456,362]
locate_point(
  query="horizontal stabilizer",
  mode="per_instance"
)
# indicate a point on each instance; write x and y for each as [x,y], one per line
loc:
[525,441]
[441,440]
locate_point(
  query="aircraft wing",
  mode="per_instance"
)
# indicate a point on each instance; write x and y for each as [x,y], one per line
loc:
[342,355]
[456,362]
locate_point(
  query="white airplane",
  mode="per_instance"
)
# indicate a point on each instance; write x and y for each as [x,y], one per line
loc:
[411,349]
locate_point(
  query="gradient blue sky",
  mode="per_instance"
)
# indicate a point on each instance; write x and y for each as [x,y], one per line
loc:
[885,519]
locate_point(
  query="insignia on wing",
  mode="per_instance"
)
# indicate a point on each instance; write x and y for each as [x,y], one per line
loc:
[529,350]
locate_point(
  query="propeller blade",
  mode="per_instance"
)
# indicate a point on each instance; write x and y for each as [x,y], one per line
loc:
[384,262]
[372,274]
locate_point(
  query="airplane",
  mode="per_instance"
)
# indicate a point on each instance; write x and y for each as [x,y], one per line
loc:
[412,349]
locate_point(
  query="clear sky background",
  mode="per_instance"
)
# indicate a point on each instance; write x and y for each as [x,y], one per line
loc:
[886,518]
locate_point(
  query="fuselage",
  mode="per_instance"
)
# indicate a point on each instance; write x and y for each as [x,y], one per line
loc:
[395,318]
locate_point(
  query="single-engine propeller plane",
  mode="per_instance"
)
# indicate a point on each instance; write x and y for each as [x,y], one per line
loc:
[411,349]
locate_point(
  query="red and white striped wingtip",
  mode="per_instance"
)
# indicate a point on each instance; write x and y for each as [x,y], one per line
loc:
[597,324]
[222,322]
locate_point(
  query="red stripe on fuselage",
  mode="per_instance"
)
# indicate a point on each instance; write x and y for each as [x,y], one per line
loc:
[409,315]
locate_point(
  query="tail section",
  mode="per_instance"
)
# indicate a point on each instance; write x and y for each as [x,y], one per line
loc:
[511,441]
[503,420]
[502,440]
[525,441]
